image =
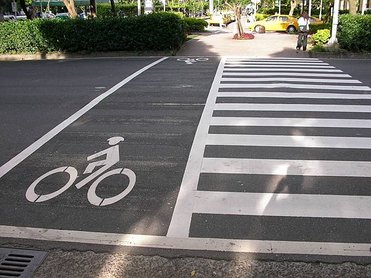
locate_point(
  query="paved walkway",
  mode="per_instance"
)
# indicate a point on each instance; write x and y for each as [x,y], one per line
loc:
[220,42]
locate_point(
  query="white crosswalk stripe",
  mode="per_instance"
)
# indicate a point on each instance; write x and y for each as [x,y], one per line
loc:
[264,87]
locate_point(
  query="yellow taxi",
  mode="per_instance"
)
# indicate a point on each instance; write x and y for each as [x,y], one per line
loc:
[276,23]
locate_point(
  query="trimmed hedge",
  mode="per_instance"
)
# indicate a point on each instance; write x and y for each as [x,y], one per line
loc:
[158,31]
[314,28]
[194,24]
[104,9]
[354,32]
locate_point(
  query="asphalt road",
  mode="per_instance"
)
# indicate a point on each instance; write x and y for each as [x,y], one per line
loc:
[51,118]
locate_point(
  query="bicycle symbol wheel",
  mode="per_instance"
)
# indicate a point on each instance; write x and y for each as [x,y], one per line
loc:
[93,198]
[33,197]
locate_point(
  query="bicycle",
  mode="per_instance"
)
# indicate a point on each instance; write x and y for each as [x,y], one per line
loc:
[302,40]
[112,157]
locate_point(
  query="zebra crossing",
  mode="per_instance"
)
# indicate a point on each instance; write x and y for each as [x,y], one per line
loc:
[282,153]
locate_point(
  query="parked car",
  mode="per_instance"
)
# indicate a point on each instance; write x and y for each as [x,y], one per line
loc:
[62,15]
[8,17]
[48,15]
[276,23]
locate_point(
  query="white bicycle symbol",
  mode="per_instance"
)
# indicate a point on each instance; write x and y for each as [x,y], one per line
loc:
[190,61]
[112,157]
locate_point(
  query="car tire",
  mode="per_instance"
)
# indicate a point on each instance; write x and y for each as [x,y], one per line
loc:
[291,29]
[259,29]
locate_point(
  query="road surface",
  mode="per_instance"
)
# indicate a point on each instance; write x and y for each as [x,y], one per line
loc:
[270,157]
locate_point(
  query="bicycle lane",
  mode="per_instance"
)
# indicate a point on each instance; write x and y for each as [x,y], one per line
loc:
[157,114]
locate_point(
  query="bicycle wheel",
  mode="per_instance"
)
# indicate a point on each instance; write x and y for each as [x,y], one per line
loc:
[33,197]
[94,199]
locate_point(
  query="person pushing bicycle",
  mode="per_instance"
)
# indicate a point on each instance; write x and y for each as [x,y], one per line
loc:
[303,23]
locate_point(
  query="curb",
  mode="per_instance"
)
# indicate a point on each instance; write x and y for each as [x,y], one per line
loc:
[340,55]
[62,56]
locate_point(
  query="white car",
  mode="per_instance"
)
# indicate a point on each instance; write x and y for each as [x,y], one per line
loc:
[8,17]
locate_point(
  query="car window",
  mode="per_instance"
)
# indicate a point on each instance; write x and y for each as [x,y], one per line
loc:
[284,18]
[271,18]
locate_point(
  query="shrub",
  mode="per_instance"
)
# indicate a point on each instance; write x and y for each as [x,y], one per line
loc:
[194,24]
[261,16]
[354,32]
[22,36]
[321,37]
[104,9]
[159,31]
[315,27]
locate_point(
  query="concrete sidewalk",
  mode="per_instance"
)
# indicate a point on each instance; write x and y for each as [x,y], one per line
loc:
[219,42]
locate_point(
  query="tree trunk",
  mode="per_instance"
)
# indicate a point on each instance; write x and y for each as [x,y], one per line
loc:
[293,4]
[93,8]
[70,5]
[113,7]
[352,6]
[24,8]
[237,13]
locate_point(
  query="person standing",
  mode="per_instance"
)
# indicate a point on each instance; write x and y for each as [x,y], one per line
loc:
[303,23]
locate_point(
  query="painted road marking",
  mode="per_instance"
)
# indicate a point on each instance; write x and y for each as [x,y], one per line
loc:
[287,79]
[280,66]
[178,236]
[295,86]
[193,201]
[289,122]
[52,133]
[296,63]
[281,167]
[293,95]
[289,141]
[286,74]
[285,69]
[109,157]
[190,61]
[292,107]
[280,204]
[198,244]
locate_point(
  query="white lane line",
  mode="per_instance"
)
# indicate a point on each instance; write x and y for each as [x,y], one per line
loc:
[293,107]
[293,95]
[181,220]
[289,141]
[286,167]
[296,86]
[48,136]
[234,59]
[201,244]
[280,70]
[279,66]
[290,122]
[280,204]
[287,79]
[339,75]
[273,63]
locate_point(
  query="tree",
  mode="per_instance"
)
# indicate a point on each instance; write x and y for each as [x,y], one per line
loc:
[2,5]
[293,5]
[113,7]
[24,9]
[353,6]
[236,8]
[70,5]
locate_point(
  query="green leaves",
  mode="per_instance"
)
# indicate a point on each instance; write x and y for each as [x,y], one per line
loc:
[159,31]
[194,24]
[354,32]
[321,37]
